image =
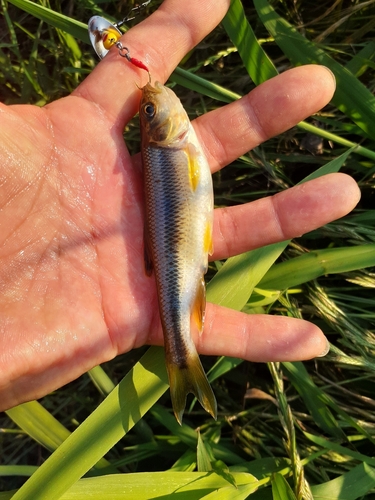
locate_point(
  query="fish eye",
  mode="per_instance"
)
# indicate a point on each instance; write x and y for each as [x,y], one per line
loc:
[149,109]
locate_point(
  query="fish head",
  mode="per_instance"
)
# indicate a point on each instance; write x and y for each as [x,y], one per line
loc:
[163,118]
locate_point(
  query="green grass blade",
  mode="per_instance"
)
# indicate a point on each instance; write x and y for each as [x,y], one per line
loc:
[146,485]
[222,470]
[65,23]
[184,432]
[232,493]
[101,380]
[223,365]
[233,284]
[330,167]
[17,470]
[188,435]
[351,96]
[202,86]
[317,263]
[357,148]
[314,398]
[263,467]
[118,413]
[7,495]
[340,450]
[257,63]
[281,489]
[43,427]
[186,463]
[350,486]
[39,424]
[361,61]
[203,456]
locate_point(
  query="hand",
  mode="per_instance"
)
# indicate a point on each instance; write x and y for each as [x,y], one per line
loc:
[73,292]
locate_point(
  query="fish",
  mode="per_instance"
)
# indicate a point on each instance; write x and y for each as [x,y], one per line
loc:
[177,236]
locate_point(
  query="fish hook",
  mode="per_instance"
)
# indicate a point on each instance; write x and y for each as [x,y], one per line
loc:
[125,52]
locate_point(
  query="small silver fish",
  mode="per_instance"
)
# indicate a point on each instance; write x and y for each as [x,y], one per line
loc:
[178,236]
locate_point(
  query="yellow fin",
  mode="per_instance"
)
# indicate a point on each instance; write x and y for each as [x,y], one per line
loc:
[193,164]
[147,252]
[199,306]
[190,378]
[208,242]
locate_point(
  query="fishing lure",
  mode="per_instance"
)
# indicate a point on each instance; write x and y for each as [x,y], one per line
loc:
[103,35]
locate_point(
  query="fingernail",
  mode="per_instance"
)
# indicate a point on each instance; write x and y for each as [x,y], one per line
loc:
[332,74]
[326,350]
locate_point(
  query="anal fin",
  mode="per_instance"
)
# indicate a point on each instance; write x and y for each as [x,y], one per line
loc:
[199,306]
[208,242]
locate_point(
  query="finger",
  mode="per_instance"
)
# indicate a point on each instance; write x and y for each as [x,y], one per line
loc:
[275,106]
[285,215]
[255,337]
[160,41]
[259,337]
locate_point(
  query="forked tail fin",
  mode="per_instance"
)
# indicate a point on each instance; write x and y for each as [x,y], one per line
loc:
[190,378]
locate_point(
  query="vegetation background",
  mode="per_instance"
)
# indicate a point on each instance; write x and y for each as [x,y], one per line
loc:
[284,431]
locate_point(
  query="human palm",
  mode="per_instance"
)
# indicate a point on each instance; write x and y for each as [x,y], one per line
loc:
[73,292]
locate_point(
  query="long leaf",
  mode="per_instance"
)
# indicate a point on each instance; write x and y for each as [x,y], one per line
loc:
[258,64]
[340,450]
[361,61]
[202,86]
[38,423]
[147,485]
[350,486]
[231,493]
[281,489]
[311,265]
[44,428]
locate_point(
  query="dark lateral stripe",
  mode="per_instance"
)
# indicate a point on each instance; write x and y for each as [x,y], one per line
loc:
[164,184]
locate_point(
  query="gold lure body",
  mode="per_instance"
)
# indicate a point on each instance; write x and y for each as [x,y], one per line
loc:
[178,236]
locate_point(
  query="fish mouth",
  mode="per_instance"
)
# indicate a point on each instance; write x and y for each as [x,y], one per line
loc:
[150,89]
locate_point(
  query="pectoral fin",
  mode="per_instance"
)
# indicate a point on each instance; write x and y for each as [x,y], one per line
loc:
[194,170]
[147,252]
